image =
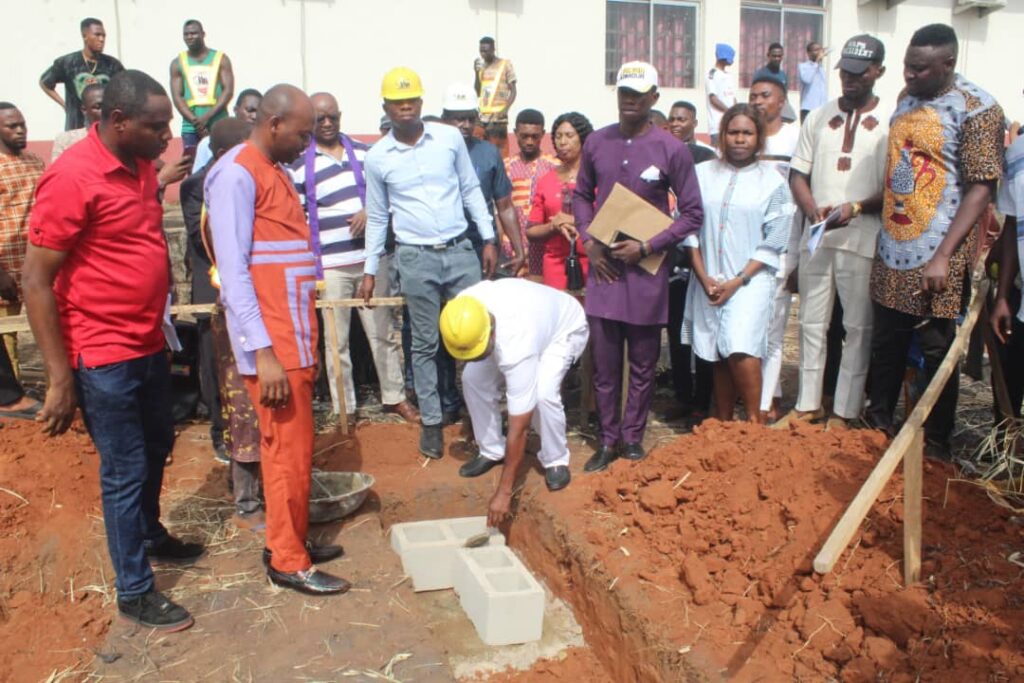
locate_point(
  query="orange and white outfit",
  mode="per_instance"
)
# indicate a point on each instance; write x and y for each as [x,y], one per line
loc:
[268,288]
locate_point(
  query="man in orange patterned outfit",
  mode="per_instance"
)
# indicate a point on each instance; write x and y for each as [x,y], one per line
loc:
[268,288]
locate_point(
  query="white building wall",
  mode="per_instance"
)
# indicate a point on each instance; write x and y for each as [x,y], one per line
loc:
[557,46]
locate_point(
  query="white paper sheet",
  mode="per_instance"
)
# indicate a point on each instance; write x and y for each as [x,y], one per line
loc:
[817,231]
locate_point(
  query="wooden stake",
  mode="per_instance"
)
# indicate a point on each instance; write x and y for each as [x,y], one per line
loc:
[879,477]
[912,474]
[339,380]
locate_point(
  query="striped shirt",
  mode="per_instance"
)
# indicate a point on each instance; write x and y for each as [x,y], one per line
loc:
[337,200]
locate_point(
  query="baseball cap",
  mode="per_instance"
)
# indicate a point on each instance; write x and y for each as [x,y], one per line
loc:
[859,52]
[401,83]
[638,76]
[725,51]
[764,74]
[459,97]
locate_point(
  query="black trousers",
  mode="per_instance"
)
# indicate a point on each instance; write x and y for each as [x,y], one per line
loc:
[209,387]
[833,349]
[690,388]
[10,388]
[890,342]
[1012,356]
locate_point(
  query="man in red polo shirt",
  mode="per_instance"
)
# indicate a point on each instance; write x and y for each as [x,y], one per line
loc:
[96,283]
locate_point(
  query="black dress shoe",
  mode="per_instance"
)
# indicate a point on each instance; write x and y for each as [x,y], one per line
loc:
[431,441]
[633,451]
[318,554]
[557,478]
[311,581]
[477,466]
[451,417]
[172,549]
[600,460]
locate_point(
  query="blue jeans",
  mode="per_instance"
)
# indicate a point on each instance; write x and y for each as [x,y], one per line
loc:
[189,139]
[429,278]
[127,411]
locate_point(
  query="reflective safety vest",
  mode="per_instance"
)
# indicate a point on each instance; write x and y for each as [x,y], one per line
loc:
[201,79]
[489,90]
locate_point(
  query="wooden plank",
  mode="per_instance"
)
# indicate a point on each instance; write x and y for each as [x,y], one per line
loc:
[330,320]
[14,323]
[858,509]
[913,464]
[19,323]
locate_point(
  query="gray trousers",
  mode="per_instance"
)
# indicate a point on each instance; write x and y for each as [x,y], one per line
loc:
[430,277]
[245,480]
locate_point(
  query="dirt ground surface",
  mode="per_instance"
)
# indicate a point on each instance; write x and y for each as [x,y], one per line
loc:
[54,570]
[692,565]
[58,617]
[711,539]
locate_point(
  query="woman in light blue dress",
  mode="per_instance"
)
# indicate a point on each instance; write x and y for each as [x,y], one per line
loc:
[748,212]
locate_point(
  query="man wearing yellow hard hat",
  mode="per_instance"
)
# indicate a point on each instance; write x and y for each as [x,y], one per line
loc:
[420,176]
[525,335]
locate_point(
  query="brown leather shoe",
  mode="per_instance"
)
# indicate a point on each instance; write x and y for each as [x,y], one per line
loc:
[404,410]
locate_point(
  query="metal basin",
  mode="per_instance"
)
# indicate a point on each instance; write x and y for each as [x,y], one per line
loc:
[334,495]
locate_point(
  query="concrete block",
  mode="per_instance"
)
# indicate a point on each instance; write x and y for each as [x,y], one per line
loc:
[428,548]
[499,595]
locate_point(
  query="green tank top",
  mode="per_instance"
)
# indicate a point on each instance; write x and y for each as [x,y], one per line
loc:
[202,85]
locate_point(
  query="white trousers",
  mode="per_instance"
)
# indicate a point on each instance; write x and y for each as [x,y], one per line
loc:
[482,386]
[771,366]
[342,283]
[822,275]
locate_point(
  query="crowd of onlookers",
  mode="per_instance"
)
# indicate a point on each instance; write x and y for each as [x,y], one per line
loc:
[868,210]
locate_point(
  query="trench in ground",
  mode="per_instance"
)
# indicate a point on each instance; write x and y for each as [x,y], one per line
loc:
[625,642]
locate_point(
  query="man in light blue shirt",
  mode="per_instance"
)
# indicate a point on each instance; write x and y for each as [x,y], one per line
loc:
[813,82]
[420,176]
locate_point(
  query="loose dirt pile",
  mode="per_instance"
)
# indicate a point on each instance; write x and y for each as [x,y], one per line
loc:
[54,571]
[723,525]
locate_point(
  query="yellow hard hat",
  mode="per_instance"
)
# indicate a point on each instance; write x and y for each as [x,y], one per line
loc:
[465,328]
[401,83]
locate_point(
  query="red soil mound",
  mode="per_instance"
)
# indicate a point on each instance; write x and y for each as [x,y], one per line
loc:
[725,523]
[48,545]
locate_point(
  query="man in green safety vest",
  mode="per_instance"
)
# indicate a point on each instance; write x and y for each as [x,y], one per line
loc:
[202,84]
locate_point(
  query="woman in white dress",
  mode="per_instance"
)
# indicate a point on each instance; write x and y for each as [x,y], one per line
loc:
[748,211]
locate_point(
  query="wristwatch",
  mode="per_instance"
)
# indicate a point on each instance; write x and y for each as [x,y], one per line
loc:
[744,278]
[644,251]
[492,241]
[855,209]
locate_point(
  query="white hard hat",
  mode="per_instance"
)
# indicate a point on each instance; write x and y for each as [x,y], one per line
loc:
[460,97]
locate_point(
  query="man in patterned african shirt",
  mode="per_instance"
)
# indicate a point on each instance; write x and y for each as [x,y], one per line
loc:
[944,159]
[19,172]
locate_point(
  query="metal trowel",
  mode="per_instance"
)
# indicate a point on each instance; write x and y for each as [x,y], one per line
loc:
[478,540]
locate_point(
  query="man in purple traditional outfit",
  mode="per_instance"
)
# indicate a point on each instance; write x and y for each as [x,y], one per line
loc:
[625,303]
